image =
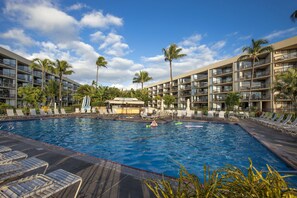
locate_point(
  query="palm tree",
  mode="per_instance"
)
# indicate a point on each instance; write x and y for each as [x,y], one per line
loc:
[252,52]
[45,65]
[101,62]
[170,54]
[141,77]
[62,68]
[51,90]
[285,86]
[294,16]
[231,100]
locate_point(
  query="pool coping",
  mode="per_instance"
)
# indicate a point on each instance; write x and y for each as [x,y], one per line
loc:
[136,172]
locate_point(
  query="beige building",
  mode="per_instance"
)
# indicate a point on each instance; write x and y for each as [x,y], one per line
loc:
[15,72]
[208,86]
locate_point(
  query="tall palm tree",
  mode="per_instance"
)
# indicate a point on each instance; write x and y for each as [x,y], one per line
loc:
[101,62]
[294,16]
[170,54]
[252,52]
[62,68]
[45,65]
[141,77]
[51,90]
[285,86]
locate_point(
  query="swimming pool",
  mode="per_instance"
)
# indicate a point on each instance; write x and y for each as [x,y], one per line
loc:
[159,149]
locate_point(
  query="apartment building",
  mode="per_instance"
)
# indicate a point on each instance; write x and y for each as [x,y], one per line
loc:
[15,72]
[208,86]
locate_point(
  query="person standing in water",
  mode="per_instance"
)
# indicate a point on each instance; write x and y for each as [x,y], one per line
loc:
[154,123]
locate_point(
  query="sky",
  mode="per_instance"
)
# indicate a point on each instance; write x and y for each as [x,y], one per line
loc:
[131,34]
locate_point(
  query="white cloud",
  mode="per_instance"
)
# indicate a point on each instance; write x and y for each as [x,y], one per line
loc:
[245,37]
[77,6]
[281,33]
[157,58]
[112,44]
[43,17]
[97,36]
[192,40]
[98,20]
[19,36]
[219,45]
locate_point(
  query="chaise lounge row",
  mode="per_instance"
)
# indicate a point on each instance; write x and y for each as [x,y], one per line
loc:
[19,178]
[32,112]
[278,121]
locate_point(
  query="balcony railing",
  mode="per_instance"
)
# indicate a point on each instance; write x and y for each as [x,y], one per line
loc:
[185,87]
[201,100]
[255,97]
[198,77]
[261,74]
[286,56]
[2,84]
[219,72]
[25,78]
[184,81]
[3,95]
[262,86]
[9,62]
[24,68]
[7,74]
[284,69]
[222,81]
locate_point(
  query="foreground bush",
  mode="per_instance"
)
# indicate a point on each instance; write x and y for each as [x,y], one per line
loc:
[229,181]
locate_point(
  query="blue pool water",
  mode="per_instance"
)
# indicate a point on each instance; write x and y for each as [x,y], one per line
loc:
[159,149]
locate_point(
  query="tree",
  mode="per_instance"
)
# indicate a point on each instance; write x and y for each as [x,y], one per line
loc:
[141,77]
[101,62]
[294,16]
[231,100]
[170,54]
[52,90]
[62,68]
[285,86]
[168,100]
[31,95]
[45,65]
[252,52]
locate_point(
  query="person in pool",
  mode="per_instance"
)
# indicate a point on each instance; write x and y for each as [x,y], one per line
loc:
[154,123]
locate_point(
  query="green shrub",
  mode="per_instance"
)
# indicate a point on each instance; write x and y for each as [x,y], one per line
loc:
[4,106]
[229,181]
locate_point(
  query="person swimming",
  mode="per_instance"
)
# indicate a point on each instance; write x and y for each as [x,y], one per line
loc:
[154,123]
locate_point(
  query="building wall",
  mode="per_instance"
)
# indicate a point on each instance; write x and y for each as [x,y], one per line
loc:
[15,72]
[207,87]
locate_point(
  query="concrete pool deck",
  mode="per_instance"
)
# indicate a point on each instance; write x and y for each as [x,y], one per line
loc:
[102,178]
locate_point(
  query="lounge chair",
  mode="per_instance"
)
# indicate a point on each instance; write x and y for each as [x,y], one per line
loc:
[12,170]
[181,113]
[49,112]
[12,156]
[41,111]
[290,127]
[277,121]
[33,112]
[190,114]
[89,110]
[282,124]
[199,114]
[274,117]
[63,111]
[94,110]
[77,110]
[114,111]
[4,149]
[10,112]
[222,114]
[41,185]
[56,112]
[19,112]
[210,114]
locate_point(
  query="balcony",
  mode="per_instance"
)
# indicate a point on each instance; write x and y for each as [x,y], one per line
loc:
[201,84]
[286,56]
[200,100]
[8,85]
[8,62]
[285,68]
[24,78]
[199,77]
[248,65]
[185,81]
[187,87]
[201,92]
[261,86]
[24,68]
[222,90]
[221,72]
[37,74]
[255,97]
[261,74]
[7,74]
[228,80]
[7,95]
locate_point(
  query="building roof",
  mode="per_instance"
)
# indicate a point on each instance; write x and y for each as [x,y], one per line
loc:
[125,101]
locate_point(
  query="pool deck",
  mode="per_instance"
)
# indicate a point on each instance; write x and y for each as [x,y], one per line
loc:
[102,178]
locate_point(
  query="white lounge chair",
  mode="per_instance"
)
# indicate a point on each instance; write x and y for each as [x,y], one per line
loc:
[283,123]
[4,149]
[19,112]
[33,112]
[94,109]
[199,114]
[222,114]
[12,156]
[180,113]
[210,114]
[41,111]
[10,112]
[11,170]
[41,185]
[49,112]
[89,110]
[77,110]
[63,111]
[56,112]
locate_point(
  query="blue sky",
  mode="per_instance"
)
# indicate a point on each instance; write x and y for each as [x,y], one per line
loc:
[130,34]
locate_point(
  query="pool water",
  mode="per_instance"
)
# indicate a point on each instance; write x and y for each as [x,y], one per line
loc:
[161,149]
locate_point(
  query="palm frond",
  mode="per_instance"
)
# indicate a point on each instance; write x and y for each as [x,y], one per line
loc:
[294,16]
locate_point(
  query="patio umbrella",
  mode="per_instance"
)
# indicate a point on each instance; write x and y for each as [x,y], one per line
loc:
[188,105]
[162,105]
